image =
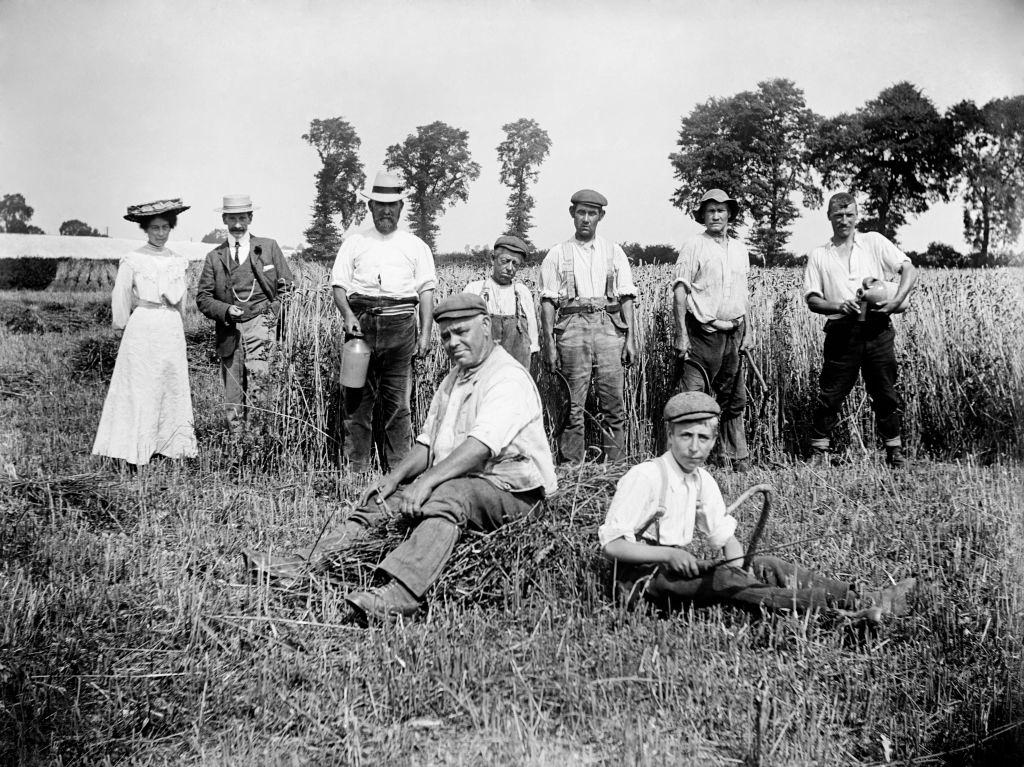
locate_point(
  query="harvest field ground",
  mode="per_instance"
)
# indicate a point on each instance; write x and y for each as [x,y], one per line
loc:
[129,635]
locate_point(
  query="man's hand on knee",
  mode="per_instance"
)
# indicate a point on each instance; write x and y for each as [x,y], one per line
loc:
[414,496]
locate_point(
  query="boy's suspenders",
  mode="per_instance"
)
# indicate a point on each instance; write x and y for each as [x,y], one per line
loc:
[655,518]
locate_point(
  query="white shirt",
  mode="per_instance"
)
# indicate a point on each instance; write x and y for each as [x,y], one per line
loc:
[501,299]
[498,405]
[715,278]
[872,255]
[243,247]
[151,276]
[396,265]
[590,270]
[637,496]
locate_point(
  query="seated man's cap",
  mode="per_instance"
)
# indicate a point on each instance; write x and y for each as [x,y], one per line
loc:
[459,306]
[690,406]
[589,196]
[512,244]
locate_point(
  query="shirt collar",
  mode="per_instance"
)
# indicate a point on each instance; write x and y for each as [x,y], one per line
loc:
[243,242]
[687,477]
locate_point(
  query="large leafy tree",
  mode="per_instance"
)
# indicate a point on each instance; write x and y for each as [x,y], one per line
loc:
[15,215]
[525,146]
[75,228]
[989,144]
[896,150]
[437,165]
[340,177]
[755,145]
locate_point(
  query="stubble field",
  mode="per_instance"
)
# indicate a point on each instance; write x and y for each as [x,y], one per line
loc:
[130,637]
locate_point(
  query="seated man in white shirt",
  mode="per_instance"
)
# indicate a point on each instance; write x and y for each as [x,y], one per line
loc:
[659,503]
[513,316]
[481,459]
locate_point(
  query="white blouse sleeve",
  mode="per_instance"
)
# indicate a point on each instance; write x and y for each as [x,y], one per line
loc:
[121,295]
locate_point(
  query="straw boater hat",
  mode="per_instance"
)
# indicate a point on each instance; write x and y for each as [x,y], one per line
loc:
[387,187]
[237,203]
[715,195]
[139,213]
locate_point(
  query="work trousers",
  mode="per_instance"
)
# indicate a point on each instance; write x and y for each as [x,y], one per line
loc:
[510,330]
[590,344]
[392,342]
[774,585]
[243,372]
[466,501]
[719,354]
[853,347]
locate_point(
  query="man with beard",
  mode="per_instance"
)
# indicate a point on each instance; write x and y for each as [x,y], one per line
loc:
[857,340]
[587,292]
[481,460]
[239,289]
[510,304]
[710,305]
[380,277]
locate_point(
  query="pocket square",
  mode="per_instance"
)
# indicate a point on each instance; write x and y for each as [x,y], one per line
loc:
[267,267]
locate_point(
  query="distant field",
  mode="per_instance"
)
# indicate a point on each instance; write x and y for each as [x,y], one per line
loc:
[129,638]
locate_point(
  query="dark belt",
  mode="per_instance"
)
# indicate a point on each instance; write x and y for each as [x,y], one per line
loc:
[377,305]
[589,309]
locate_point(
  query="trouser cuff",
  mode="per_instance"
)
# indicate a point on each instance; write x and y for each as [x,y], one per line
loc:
[894,442]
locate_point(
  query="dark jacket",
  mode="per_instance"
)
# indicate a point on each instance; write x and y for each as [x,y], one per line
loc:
[214,298]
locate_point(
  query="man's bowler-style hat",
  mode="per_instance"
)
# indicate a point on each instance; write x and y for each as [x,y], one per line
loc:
[715,195]
[387,187]
[145,210]
[590,197]
[237,203]
[460,306]
[512,244]
[690,406]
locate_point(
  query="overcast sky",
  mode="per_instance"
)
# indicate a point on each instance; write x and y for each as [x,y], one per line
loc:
[112,102]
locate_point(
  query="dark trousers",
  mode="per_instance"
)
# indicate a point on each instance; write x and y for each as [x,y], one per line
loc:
[590,346]
[853,347]
[467,501]
[719,354]
[392,341]
[511,332]
[774,585]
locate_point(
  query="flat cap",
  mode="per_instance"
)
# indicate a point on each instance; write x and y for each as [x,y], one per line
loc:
[690,406]
[512,244]
[589,196]
[459,306]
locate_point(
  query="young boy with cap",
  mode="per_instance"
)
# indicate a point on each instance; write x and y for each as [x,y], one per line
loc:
[510,304]
[659,503]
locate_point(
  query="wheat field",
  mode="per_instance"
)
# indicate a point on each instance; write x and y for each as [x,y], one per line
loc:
[130,637]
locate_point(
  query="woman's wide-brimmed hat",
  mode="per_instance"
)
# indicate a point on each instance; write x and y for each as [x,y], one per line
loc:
[237,203]
[139,213]
[715,195]
[387,187]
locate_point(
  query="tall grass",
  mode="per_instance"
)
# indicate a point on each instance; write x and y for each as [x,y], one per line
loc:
[961,365]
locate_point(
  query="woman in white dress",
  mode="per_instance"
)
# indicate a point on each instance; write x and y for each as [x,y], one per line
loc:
[148,408]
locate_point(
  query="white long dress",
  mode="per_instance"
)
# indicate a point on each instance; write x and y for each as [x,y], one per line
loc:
[149,404]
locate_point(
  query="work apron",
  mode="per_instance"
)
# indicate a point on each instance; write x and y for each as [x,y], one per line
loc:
[511,331]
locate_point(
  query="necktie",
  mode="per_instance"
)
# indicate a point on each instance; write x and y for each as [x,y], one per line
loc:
[236,253]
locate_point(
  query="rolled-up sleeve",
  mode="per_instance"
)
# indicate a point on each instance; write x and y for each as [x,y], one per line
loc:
[686,267]
[623,274]
[425,276]
[550,279]
[712,518]
[632,505]
[121,295]
[812,276]
[504,410]
[531,317]
[342,272]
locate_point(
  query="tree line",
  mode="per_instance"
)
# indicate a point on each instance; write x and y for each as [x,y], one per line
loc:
[897,153]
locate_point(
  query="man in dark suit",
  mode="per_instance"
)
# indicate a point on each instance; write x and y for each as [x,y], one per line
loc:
[239,288]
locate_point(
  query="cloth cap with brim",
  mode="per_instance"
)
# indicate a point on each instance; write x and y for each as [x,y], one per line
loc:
[690,406]
[512,244]
[139,213]
[589,197]
[460,306]
[387,187]
[237,203]
[715,195]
